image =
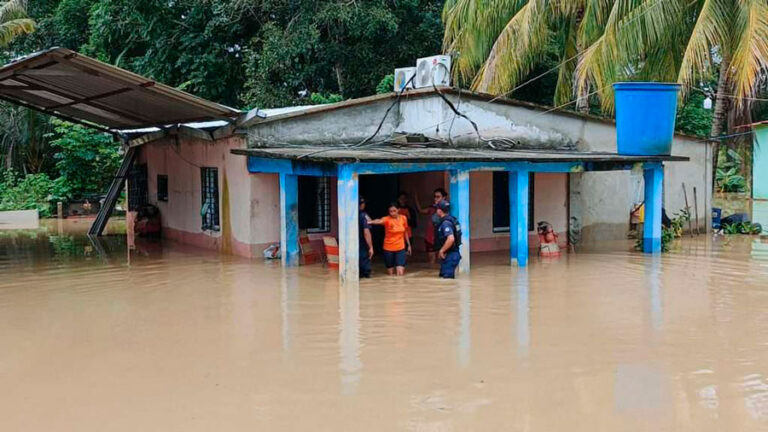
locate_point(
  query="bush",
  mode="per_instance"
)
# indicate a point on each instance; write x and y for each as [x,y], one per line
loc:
[728,176]
[386,85]
[31,192]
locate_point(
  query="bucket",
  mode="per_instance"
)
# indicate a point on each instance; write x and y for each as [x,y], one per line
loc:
[645,117]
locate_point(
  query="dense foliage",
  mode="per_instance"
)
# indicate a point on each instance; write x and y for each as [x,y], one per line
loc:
[86,161]
[242,53]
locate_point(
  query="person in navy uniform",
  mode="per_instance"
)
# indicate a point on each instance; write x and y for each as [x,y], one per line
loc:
[366,241]
[448,240]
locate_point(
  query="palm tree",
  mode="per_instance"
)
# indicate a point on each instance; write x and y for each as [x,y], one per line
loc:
[604,41]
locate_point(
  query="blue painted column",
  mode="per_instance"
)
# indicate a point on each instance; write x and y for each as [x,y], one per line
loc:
[654,185]
[289,220]
[459,198]
[349,236]
[518,217]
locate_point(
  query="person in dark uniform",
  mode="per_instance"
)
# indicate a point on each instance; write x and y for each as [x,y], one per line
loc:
[366,242]
[448,240]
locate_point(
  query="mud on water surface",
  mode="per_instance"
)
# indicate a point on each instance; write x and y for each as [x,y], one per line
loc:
[170,338]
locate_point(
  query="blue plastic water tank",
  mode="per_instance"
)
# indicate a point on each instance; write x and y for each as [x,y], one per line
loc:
[645,117]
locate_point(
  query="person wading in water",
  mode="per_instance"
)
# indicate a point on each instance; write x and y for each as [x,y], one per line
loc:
[396,242]
[448,240]
[429,233]
[366,242]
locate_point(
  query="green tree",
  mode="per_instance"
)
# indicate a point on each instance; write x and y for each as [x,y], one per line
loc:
[334,46]
[86,160]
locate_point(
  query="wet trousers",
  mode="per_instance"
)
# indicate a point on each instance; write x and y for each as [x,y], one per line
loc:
[449,264]
[365,264]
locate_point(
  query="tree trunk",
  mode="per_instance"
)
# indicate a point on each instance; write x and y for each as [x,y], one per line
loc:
[339,78]
[719,116]
[582,103]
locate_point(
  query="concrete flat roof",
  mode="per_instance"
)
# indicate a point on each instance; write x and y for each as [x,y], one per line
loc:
[412,154]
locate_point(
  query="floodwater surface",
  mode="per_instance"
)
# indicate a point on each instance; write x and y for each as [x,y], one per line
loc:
[171,338]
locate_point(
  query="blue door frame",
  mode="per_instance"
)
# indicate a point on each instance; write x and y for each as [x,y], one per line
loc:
[348,175]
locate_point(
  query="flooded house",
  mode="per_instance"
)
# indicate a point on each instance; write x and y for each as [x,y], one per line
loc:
[239,181]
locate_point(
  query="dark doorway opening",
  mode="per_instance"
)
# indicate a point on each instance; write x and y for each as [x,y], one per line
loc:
[378,190]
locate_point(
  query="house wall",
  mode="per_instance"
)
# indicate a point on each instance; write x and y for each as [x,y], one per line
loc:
[248,203]
[601,201]
[760,164]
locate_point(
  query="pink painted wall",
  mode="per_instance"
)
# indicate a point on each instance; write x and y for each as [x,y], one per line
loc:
[251,220]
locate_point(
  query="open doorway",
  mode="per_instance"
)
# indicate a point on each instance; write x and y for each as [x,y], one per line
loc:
[379,190]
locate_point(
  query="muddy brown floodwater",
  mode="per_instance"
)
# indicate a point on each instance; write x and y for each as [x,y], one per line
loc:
[171,338]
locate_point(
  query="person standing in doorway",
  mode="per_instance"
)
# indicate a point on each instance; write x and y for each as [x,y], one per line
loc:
[366,242]
[396,242]
[406,210]
[429,233]
[448,240]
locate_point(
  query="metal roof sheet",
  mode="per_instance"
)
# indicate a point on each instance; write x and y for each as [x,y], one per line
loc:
[75,87]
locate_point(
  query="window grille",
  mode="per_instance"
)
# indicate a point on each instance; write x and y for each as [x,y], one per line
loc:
[315,204]
[210,198]
[138,194]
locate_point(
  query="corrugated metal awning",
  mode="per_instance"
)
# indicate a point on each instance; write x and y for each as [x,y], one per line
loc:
[75,87]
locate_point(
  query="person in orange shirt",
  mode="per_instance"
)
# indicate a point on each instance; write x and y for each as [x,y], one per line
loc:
[397,243]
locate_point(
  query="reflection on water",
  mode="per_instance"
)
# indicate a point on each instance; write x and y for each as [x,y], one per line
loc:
[172,338]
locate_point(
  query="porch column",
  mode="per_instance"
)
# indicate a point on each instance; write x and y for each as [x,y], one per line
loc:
[654,184]
[518,217]
[459,198]
[348,210]
[289,220]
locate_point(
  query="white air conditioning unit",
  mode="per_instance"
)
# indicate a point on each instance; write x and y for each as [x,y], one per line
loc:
[403,78]
[437,68]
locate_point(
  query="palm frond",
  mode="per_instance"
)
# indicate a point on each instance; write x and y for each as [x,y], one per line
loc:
[471,28]
[632,28]
[517,49]
[750,56]
[9,30]
[12,10]
[710,30]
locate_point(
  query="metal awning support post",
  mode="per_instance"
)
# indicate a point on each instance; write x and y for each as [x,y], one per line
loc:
[653,175]
[459,197]
[97,228]
[518,217]
[289,219]
[348,187]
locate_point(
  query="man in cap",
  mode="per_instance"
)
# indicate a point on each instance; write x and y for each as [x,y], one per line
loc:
[366,241]
[448,240]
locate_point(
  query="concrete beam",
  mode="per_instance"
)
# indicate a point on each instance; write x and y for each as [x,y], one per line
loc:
[286,166]
[289,220]
[348,210]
